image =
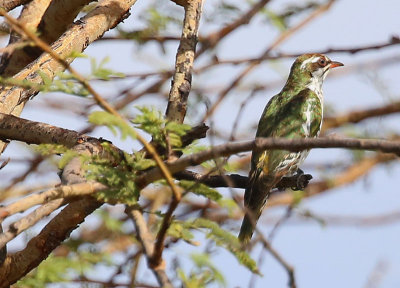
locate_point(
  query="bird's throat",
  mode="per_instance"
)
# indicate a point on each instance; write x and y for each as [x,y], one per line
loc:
[315,85]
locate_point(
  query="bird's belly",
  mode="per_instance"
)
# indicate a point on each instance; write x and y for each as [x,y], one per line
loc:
[292,162]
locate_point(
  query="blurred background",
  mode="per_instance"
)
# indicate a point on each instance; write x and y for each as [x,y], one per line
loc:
[341,232]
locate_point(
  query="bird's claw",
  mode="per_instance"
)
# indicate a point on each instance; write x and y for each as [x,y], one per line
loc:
[302,180]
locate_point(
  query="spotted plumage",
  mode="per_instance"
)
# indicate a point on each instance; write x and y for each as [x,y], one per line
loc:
[296,112]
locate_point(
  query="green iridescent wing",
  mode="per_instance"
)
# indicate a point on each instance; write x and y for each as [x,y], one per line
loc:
[297,116]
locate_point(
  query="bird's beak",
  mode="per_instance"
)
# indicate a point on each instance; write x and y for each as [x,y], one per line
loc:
[335,64]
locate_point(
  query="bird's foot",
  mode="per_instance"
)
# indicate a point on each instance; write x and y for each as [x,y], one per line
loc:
[298,181]
[302,180]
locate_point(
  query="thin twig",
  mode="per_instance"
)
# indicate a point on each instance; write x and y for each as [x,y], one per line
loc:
[289,268]
[146,239]
[281,55]
[213,39]
[282,37]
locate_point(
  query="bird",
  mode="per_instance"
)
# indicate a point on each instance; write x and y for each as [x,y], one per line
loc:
[295,113]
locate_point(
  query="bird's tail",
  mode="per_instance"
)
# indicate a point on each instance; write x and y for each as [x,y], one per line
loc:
[246,230]
[255,198]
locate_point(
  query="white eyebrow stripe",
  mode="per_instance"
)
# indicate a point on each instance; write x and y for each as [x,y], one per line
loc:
[309,60]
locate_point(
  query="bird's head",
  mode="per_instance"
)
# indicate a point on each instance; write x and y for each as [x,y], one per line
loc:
[311,67]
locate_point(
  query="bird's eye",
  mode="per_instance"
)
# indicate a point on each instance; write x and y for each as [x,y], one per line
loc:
[322,62]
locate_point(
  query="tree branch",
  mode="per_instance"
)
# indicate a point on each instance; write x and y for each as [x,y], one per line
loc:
[280,55]
[9,5]
[271,143]
[50,19]
[289,268]
[65,191]
[147,239]
[177,104]
[211,40]
[297,182]
[182,80]
[52,235]
[281,38]
[31,132]
[28,221]
[105,16]
[360,115]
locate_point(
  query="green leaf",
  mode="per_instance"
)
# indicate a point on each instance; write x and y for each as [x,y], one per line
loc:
[200,189]
[203,275]
[59,269]
[225,239]
[66,158]
[50,149]
[152,121]
[100,72]
[179,230]
[111,121]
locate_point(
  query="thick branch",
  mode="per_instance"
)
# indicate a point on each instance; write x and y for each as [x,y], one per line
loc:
[182,81]
[49,19]
[212,39]
[53,234]
[297,182]
[92,26]
[9,5]
[31,132]
[28,221]
[271,143]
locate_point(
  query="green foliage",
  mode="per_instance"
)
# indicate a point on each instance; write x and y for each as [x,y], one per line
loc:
[204,274]
[58,269]
[181,230]
[152,121]
[277,20]
[66,158]
[298,196]
[119,174]
[120,178]
[225,239]
[66,82]
[22,83]
[155,22]
[110,223]
[112,122]
[99,71]
[228,204]
[50,149]
[200,189]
